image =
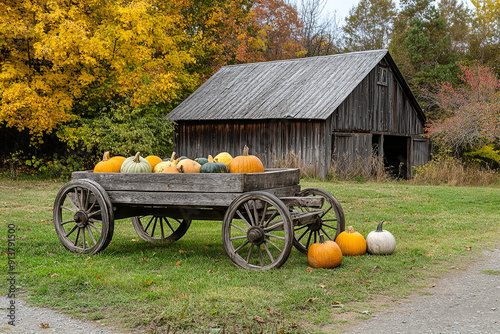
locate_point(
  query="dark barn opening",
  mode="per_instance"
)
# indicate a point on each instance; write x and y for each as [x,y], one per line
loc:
[396,155]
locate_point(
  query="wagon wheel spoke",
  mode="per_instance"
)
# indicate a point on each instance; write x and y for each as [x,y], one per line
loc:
[268,252]
[98,212]
[330,221]
[146,231]
[257,231]
[71,231]
[91,234]
[243,218]
[95,228]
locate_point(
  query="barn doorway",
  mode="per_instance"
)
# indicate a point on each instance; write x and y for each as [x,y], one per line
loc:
[396,155]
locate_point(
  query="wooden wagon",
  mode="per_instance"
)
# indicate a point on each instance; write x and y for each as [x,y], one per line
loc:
[262,214]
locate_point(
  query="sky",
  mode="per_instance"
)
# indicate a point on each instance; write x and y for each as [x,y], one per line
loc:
[342,7]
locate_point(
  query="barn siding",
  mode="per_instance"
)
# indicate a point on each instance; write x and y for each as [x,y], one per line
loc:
[270,140]
[377,108]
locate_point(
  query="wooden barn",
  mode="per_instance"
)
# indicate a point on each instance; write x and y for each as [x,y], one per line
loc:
[315,110]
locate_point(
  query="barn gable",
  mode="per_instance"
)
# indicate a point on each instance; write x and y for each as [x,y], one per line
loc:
[313,108]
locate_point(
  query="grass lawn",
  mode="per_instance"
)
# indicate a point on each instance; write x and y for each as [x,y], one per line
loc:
[191,285]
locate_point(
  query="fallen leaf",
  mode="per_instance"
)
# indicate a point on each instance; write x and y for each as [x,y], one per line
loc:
[54,275]
[178,263]
[44,325]
[259,319]
[152,325]
[309,270]
[133,240]
[357,270]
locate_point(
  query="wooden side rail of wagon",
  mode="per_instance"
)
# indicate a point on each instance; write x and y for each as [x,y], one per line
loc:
[262,214]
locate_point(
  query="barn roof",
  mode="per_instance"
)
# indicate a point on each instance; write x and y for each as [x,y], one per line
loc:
[303,88]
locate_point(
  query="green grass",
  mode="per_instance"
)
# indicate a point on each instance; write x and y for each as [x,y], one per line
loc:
[134,282]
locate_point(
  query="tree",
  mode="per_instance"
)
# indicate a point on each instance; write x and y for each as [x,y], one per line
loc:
[369,25]
[422,48]
[457,17]
[222,33]
[485,35]
[320,35]
[471,113]
[56,54]
[283,26]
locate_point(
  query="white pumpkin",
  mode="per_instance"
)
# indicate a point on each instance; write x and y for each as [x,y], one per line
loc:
[380,242]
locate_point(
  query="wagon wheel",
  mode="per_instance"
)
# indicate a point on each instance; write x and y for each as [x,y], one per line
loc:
[330,223]
[257,231]
[83,217]
[160,228]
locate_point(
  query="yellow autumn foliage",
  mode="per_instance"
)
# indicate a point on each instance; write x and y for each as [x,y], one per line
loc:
[55,52]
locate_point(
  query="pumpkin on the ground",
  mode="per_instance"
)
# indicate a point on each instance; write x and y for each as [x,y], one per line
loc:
[136,164]
[351,242]
[224,157]
[188,166]
[380,242]
[324,254]
[246,163]
[109,165]
[153,161]
[214,167]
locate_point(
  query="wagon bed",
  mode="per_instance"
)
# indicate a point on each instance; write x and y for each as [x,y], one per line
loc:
[263,214]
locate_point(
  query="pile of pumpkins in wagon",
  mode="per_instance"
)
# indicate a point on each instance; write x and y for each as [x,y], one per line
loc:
[324,254]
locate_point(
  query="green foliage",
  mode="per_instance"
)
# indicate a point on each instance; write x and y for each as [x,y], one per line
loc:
[421,46]
[122,130]
[369,25]
[485,156]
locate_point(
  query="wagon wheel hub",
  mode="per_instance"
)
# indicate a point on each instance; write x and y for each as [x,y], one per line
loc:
[81,219]
[256,235]
[316,225]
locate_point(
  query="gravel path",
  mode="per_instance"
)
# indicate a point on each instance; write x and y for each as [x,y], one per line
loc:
[29,320]
[464,302]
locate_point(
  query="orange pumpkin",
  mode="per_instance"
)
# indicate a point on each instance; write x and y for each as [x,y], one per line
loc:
[171,169]
[351,242]
[246,163]
[324,254]
[153,161]
[188,166]
[109,165]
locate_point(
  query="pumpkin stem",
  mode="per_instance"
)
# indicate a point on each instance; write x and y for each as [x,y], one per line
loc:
[176,161]
[245,150]
[321,239]
[211,159]
[105,157]
[350,229]
[137,157]
[172,157]
[181,169]
[379,226]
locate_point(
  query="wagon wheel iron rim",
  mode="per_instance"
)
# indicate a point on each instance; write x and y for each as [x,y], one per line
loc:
[83,217]
[330,223]
[160,228]
[257,231]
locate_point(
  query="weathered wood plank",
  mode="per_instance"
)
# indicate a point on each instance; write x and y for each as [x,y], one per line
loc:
[211,183]
[187,199]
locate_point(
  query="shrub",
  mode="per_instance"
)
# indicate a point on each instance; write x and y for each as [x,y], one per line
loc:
[444,169]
